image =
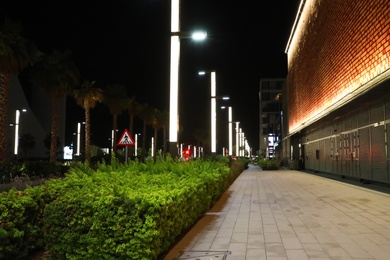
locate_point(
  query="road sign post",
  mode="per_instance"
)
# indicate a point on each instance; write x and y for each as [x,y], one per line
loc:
[126,140]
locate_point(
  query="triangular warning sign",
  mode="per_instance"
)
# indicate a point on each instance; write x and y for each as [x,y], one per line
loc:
[126,139]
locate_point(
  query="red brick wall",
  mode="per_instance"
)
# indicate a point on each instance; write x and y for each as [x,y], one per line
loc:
[338,47]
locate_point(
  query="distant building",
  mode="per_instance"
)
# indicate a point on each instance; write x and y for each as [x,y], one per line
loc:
[338,88]
[35,121]
[270,101]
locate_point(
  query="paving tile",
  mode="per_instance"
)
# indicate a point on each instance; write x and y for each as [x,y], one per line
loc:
[296,254]
[287,215]
[292,243]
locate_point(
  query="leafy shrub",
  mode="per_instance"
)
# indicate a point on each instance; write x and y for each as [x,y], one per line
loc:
[120,211]
[31,170]
[8,171]
[20,231]
[132,211]
[269,164]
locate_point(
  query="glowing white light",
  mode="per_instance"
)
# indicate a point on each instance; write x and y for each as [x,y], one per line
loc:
[136,145]
[237,139]
[78,138]
[199,36]
[17,116]
[213,113]
[230,132]
[174,70]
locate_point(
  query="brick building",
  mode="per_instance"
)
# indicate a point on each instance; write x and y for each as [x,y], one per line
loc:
[338,88]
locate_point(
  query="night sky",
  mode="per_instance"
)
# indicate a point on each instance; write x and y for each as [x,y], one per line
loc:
[128,42]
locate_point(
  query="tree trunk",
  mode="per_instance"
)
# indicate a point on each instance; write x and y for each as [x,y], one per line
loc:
[165,144]
[87,136]
[131,124]
[4,86]
[155,145]
[54,129]
[143,152]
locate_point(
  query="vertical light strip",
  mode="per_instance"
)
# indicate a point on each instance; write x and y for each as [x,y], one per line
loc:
[230,132]
[136,145]
[237,138]
[78,138]
[175,62]
[152,146]
[213,113]
[16,145]
[239,141]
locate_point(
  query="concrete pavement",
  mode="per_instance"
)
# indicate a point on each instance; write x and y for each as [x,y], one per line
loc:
[287,214]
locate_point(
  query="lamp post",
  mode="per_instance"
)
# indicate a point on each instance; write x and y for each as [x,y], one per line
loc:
[136,145]
[237,138]
[78,138]
[213,114]
[174,74]
[230,127]
[213,111]
[17,121]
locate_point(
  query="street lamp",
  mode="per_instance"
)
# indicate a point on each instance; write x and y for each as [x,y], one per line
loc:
[17,120]
[237,138]
[78,136]
[230,129]
[174,74]
[136,144]
[213,114]
[213,110]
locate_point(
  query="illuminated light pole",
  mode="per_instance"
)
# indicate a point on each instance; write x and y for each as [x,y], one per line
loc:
[213,114]
[174,74]
[17,121]
[213,111]
[230,132]
[78,136]
[230,126]
[78,139]
[237,138]
[152,147]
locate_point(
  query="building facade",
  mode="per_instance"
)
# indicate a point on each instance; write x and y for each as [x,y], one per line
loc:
[338,88]
[270,111]
[34,122]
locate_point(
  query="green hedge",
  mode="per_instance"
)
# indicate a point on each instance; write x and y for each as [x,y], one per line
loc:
[269,164]
[131,211]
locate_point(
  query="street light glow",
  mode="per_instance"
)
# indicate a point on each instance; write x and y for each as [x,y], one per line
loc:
[199,36]
[213,113]
[230,132]
[174,74]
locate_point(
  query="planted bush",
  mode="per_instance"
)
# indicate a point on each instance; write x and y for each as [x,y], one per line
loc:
[269,164]
[119,211]
[132,211]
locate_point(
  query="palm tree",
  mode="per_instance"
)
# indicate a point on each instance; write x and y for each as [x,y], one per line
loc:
[133,108]
[57,75]
[146,114]
[87,96]
[164,119]
[202,136]
[15,54]
[157,122]
[114,97]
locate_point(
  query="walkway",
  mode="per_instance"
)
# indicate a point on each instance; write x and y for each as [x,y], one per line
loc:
[285,214]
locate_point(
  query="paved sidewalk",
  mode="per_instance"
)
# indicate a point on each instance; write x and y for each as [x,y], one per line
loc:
[285,214]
